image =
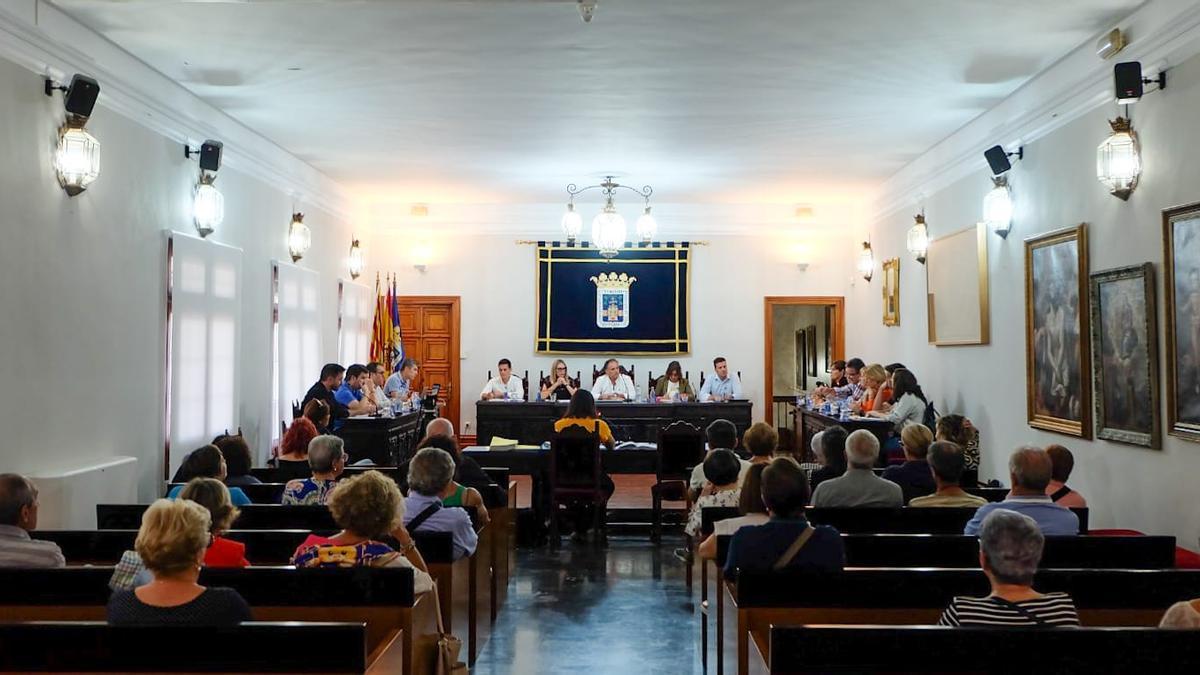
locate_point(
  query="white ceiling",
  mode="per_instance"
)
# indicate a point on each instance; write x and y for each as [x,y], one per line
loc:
[509,100]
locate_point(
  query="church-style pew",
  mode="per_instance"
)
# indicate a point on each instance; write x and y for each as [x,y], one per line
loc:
[905,520]
[906,596]
[256,647]
[105,547]
[268,474]
[262,493]
[382,598]
[253,517]
[797,650]
[504,534]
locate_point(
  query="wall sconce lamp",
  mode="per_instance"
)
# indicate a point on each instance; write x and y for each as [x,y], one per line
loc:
[1112,42]
[1129,82]
[77,158]
[866,261]
[646,226]
[1118,160]
[421,255]
[299,237]
[357,261]
[998,207]
[572,223]
[208,204]
[918,238]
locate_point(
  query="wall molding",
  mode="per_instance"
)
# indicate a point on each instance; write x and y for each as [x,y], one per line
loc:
[42,38]
[1162,33]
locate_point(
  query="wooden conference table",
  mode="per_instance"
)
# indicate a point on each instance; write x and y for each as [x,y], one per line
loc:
[387,441]
[533,423]
[811,422]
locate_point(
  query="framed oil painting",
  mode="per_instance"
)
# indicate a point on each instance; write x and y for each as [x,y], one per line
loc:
[891,292]
[1125,355]
[812,350]
[1057,372]
[1181,261]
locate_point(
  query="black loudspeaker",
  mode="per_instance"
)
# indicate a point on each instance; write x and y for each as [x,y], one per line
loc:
[1127,78]
[210,155]
[81,96]
[997,159]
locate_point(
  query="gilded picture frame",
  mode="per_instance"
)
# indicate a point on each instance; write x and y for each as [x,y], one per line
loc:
[1057,357]
[1124,336]
[891,292]
[1181,267]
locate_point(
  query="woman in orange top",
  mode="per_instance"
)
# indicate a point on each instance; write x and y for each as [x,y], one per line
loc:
[874,378]
[582,412]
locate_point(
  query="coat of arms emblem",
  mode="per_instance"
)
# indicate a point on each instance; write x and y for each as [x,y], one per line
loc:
[612,299]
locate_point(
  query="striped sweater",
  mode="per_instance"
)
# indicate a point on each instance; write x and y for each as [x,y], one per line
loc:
[1052,609]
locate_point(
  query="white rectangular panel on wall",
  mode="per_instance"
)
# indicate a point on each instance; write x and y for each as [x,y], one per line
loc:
[205,311]
[298,356]
[357,312]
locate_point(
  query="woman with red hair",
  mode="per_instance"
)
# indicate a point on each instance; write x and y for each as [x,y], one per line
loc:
[293,449]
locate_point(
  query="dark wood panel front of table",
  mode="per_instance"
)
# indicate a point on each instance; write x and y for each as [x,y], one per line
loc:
[533,423]
[387,441]
[810,423]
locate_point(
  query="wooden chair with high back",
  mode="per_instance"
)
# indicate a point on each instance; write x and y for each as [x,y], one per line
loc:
[680,449]
[596,373]
[524,382]
[575,472]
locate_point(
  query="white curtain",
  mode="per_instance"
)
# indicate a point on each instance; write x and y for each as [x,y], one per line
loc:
[297,340]
[358,313]
[205,304]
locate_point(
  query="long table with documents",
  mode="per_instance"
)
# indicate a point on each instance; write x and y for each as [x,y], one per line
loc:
[533,423]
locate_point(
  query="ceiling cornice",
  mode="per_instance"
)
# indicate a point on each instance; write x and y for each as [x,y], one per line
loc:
[1162,33]
[44,39]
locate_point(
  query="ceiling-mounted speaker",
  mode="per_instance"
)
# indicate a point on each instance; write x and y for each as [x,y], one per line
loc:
[997,159]
[210,155]
[80,97]
[1127,77]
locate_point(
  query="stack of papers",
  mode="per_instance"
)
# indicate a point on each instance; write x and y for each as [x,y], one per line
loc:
[499,443]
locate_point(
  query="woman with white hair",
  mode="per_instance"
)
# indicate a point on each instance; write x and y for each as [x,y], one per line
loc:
[1010,548]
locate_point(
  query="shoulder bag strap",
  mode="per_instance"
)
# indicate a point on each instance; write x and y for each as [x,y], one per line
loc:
[1060,493]
[1020,610]
[423,516]
[792,550]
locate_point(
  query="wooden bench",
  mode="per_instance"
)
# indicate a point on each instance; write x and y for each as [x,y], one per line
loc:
[105,547]
[262,493]
[889,649]
[269,474]
[382,598]
[504,536]
[253,517]
[905,520]
[88,646]
[895,596]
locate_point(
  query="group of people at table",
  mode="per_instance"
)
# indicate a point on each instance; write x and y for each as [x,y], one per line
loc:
[614,385]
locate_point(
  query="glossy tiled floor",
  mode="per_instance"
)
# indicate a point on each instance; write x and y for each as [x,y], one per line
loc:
[623,610]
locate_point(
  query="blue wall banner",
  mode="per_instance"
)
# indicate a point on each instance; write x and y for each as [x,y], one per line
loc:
[635,303]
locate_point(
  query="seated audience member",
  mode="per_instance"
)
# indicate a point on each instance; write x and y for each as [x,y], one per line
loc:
[18,517]
[237,461]
[504,386]
[786,541]
[859,486]
[831,454]
[721,435]
[721,468]
[213,495]
[876,394]
[353,395]
[750,505]
[910,402]
[812,459]
[913,476]
[761,441]
[1010,548]
[317,412]
[332,375]
[430,480]
[613,385]
[172,543]
[466,470]
[958,430]
[1030,470]
[722,386]
[367,507]
[558,386]
[672,386]
[581,412]
[462,495]
[207,462]
[1184,614]
[946,462]
[786,446]
[293,448]
[327,459]
[837,374]
[1062,462]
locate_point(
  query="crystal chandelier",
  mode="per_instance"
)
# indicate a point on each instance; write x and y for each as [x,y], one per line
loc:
[1118,161]
[609,227]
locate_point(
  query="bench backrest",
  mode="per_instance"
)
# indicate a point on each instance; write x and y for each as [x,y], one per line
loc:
[98,647]
[910,649]
[905,520]
[105,547]
[262,493]
[253,517]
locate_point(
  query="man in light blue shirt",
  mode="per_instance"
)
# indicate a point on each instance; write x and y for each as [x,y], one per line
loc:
[430,480]
[1030,469]
[399,385]
[722,386]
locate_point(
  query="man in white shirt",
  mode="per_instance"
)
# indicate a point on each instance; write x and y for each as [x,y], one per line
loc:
[378,377]
[722,386]
[613,385]
[505,383]
[721,434]
[399,385]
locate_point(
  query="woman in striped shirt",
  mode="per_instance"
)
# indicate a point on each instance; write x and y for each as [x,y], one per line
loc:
[1010,548]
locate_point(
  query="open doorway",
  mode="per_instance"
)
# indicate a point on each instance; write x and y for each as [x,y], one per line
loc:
[804,335]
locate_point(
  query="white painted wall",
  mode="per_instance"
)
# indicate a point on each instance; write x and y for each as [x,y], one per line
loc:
[82,286]
[1054,187]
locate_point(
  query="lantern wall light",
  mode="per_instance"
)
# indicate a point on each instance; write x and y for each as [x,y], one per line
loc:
[77,157]
[866,261]
[357,261]
[1118,159]
[918,239]
[608,227]
[299,237]
[208,204]
[998,203]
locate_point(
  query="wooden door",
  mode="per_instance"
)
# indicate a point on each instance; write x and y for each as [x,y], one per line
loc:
[429,326]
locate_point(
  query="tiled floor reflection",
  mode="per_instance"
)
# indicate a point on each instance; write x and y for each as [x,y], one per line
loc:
[622,610]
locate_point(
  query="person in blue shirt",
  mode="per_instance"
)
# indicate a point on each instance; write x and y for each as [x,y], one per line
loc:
[1030,469]
[722,386]
[350,394]
[399,383]
[207,462]
[787,541]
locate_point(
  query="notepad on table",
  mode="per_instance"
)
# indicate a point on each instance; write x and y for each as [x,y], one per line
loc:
[499,443]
